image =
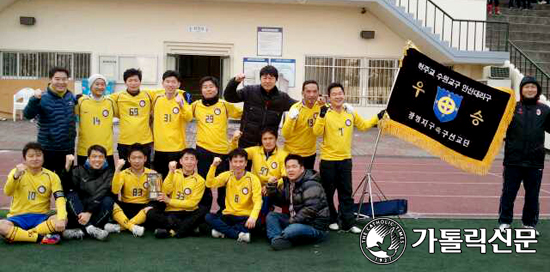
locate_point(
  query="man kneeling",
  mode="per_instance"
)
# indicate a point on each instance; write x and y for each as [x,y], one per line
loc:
[31,187]
[243,199]
[304,195]
[182,191]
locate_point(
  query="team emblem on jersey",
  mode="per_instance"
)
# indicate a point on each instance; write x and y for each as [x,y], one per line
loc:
[217,111]
[187,191]
[348,122]
[142,103]
[539,112]
[245,191]
[146,185]
[274,165]
[315,115]
[176,110]
[105,113]
[41,189]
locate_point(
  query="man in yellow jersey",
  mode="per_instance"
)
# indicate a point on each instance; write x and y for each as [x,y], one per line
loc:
[133,188]
[95,114]
[182,191]
[243,200]
[336,124]
[212,115]
[134,111]
[32,187]
[171,115]
[298,124]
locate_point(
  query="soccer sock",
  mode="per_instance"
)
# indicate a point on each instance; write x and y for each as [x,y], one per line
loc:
[45,227]
[140,218]
[121,218]
[20,235]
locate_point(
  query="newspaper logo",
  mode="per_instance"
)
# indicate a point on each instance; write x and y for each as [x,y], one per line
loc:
[383,241]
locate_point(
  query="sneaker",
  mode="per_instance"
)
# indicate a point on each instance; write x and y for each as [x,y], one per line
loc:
[503,228]
[51,239]
[537,233]
[354,230]
[138,231]
[162,233]
[217,234]
[112,228]
[97,233]
[334,226]
[279,243]
[244,237]
[73,234]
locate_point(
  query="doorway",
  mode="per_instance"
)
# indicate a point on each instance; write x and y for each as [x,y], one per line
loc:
[193,67]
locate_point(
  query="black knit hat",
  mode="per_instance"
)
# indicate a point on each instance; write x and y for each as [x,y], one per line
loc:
[527,80]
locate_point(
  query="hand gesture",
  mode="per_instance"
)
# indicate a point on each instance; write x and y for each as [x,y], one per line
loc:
[179,99]
[20,169]
[321,100]
[84,218]
[250,223]
[119,164]
[163,198]
[216,161]
[172,166]
[69,159]
[237,135]
[59,225]
[239,77]
[37,93]
[323,111]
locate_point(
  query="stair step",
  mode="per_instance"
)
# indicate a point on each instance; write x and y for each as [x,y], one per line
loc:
[526,36]
[525,12]
[532,45]
[538,56]
[530,28]
[521,19]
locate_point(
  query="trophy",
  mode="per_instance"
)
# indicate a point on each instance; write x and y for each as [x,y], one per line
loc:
[154,180]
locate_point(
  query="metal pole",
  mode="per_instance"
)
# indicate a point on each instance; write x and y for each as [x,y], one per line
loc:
[369,180]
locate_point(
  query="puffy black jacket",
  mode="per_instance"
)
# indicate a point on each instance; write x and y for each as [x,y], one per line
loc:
[261,110]
[56,120]
[525,135]
[309,200]
[91,185]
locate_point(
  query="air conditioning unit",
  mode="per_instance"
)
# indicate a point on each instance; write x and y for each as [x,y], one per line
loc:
[495,76]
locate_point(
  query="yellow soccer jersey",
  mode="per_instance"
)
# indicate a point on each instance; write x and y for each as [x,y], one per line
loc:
[337,131]
[298,133]
[185,192]
[243,197]
[263,167]
[134,114]
[95,123]
[170,120]
[132,189]
[32,193]
[212,124]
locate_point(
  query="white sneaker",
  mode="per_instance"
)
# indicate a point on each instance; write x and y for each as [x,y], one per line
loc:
[503,227]
[73,234]
[537,233]
[217,234]
[112,228]
[244,237]
[354,230]
[138,231]
[334,226]
[97,233]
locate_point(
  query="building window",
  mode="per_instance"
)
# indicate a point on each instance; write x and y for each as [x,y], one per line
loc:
[366,81]
[34,65]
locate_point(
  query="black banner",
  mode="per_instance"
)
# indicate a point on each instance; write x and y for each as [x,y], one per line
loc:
[457,118]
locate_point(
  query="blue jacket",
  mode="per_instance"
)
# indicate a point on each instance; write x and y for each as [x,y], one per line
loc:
[56,120]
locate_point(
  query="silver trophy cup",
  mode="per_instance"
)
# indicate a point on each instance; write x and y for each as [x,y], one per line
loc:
[154,180]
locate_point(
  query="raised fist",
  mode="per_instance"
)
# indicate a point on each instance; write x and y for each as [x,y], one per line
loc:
[69,159]
[237,135]
[119,164]
[20,169]
[239,77]
[38,93]
[217,161]
[172,166]
[293,113]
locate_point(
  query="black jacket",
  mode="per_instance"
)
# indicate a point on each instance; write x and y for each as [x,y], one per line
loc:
[525,135]
[309,199]
[261,110]
[90,185]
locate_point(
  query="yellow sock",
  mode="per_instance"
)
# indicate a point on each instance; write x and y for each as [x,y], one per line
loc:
[140,218]
[121,218]
[20,235]
[45,227]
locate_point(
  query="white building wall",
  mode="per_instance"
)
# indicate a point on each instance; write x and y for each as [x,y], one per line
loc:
[118,27]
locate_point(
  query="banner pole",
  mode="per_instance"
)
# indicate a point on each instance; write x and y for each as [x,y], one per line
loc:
[369,180]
